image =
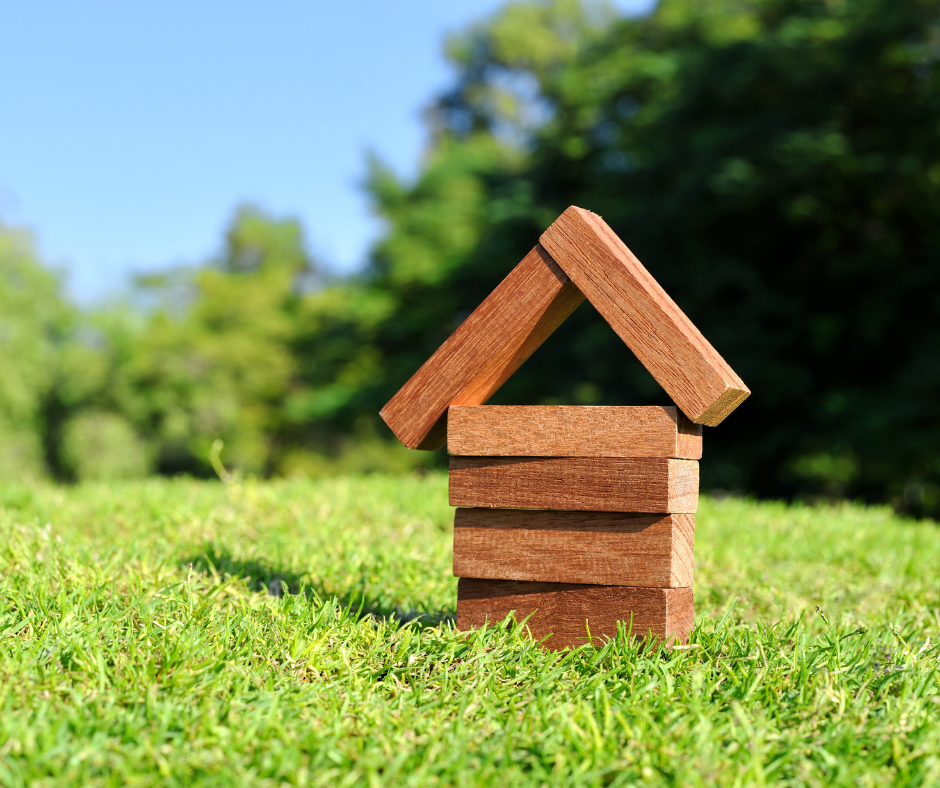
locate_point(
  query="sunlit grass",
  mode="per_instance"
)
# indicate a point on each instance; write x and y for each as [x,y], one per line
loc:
[143,641]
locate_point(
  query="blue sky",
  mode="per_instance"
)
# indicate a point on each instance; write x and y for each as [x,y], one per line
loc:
[130,131]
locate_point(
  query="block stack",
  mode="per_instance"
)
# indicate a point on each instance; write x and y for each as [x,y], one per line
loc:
[577,517]
[581,516]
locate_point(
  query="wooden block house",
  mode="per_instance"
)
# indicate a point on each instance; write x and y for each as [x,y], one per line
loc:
[578,517]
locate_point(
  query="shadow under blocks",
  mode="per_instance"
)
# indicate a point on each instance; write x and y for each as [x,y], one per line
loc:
[266,578]
[580,518]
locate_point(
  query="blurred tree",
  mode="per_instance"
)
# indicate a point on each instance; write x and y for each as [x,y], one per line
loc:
[103,446]
[251,349]
[775,163]
[211,358]
[33,322]
[218,363]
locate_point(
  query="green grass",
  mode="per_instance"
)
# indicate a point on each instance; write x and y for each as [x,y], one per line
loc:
[139,644]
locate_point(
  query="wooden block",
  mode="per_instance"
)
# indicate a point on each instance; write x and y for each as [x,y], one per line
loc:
[665,341]
[568,431]
[565,611]
[607,548]
[491,344]
[645,485]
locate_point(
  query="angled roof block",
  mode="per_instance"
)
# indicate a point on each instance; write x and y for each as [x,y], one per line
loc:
[579,256]
[491,344]
[643,315]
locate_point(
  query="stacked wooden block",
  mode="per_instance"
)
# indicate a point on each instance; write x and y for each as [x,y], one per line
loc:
[578,517]
[581,516]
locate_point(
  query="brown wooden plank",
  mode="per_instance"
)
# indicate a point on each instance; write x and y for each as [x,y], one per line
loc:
[609,484]
[491,344]
[665,341]
[572,431]
[565,611]
[608,548]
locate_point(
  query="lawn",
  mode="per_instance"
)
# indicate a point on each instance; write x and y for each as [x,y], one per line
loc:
[300,633]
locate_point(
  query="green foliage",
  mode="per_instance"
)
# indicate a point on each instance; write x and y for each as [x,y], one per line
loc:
[211,359]
[223,367]
[774,163]
[102,446]
[33,319]
[180,632]
[252,349]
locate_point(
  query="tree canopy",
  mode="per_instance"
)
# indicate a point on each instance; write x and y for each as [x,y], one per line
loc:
[774,163]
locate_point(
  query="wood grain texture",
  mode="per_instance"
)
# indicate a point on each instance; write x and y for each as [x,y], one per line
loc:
[572,431]
[607,548]
[643,315]
[491,344]
[565,611]
[610,484]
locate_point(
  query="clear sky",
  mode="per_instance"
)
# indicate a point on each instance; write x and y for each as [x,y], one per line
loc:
[130,131]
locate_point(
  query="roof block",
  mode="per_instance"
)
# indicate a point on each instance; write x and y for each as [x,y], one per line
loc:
[491,344]
[578,257]
[643,315]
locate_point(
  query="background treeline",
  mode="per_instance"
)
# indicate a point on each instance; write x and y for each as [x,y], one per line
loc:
[774,163]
